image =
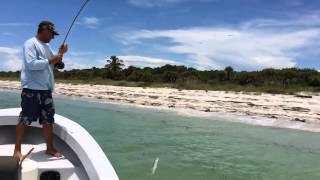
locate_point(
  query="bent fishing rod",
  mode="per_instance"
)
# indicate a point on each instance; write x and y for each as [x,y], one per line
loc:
[74,20]
[60,65]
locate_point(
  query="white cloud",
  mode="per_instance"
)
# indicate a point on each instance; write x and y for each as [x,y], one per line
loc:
[161,3]
[10,59]
[7,34]
[15,24]
[76,62]
[252,47]
[294,22]
[75,65]
[74,53]
[143,61]
[295,2]
[75,59]
[89,22]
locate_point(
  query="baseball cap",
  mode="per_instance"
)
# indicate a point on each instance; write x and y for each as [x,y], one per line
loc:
[48,25]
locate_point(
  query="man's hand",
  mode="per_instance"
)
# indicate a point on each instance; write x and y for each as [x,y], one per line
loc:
[55,59]
[63,48]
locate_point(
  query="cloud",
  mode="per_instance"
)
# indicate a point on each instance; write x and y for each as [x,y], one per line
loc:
[74,65]
[7,34]
[76,61]
[89,22]
[161,3]
[81,60]
[15,24]
[143,61]
[10,59]
[250,46]
[79,54]
[295,3]
[310,20]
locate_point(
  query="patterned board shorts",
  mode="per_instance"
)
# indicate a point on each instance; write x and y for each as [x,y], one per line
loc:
[36,105]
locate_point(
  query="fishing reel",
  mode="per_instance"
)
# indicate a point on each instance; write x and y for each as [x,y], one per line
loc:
[59,65]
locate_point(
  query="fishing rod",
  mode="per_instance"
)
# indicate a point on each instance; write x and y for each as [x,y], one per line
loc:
[74,20]
[60,65]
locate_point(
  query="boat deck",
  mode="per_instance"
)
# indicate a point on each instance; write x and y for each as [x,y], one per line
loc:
[68,166]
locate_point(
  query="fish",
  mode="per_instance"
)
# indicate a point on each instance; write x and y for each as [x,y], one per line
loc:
[155,165]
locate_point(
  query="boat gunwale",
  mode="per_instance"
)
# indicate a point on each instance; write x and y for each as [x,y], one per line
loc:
[78,139]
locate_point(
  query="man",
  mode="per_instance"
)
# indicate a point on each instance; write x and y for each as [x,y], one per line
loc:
[37,83]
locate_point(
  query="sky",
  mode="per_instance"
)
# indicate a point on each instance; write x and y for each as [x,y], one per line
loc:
[204,34]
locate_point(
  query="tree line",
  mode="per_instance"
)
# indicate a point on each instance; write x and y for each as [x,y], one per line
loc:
[267,80]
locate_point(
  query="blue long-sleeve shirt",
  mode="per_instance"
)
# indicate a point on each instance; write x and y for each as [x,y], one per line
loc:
[36,72]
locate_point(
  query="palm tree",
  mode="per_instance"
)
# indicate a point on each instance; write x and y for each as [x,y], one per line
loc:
[114,63]
[229,71]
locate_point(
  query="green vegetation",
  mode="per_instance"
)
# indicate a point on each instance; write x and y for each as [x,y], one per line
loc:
[289,80]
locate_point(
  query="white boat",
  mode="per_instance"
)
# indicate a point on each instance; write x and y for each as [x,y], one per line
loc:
[83,157]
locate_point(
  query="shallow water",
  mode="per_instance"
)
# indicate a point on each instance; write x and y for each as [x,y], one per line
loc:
[189,148]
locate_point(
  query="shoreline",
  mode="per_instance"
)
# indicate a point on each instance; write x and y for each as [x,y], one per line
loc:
[284,111]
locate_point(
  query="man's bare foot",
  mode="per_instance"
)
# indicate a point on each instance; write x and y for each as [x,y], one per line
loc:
[19,155]
[54,153]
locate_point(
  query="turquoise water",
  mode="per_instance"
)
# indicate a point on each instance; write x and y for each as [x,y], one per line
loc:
[189,148]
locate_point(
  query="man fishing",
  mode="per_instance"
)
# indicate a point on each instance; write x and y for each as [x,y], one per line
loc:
[37,81]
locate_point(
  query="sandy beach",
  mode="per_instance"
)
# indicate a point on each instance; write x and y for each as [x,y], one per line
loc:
[289,111]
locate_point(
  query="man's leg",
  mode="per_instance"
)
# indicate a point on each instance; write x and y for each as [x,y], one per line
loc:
[27,115]
[20,130]
[48,135]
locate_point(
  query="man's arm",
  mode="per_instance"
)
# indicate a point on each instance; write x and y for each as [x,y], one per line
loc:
[32,61]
